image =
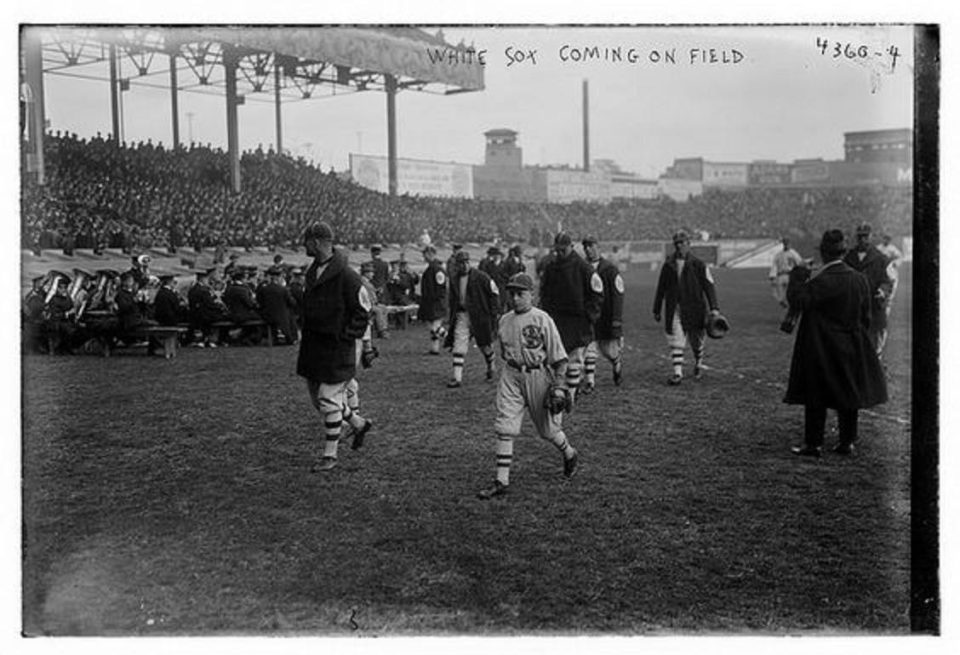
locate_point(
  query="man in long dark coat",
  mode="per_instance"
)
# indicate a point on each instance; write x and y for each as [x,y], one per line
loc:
[686,289]
[474,310]
[336,309]
[433,298]
[608,330]
[572,293]
[835,364]
[866,258]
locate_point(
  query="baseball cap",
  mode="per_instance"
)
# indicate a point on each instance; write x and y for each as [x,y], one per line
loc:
[864,228]
[429,249]
[589,240]
[166,278]
[376,248]
[493,250]
[462,256]
[562,239]
[681,235]
[521,281]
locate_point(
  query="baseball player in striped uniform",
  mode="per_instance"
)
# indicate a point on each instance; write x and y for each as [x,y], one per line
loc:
[534,358]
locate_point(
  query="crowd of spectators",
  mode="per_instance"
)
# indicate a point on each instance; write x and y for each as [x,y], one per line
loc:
[98,194]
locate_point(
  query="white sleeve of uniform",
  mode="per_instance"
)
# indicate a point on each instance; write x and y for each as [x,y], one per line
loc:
[553,344]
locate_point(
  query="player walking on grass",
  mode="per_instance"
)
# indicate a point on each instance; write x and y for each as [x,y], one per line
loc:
[608,329]
[433,298]
[686,289]
[474,308]
[571,292]
[534,358]
[336,313]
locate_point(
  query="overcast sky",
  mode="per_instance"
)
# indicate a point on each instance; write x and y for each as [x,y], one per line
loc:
[786,98]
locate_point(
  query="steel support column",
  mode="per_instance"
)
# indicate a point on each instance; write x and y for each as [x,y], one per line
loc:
[233,149]
[174,109]
[114,95]
[276,102]
[390,86]
[36,117]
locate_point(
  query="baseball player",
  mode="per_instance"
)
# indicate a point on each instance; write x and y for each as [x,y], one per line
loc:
[433,298]
[609,327]
[572,293]
[336,315]
[686,289]
[533,357]
[783,263]
[867,259]
[474,308]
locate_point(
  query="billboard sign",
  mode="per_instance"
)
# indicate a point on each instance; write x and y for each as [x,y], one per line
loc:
[414,177]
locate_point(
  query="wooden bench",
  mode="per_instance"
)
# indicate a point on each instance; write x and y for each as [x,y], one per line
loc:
[168,335]
[230,325]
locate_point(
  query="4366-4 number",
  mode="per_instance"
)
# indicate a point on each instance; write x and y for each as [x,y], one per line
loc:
[852,51]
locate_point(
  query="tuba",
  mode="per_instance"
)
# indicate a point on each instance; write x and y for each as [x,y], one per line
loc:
[50,285]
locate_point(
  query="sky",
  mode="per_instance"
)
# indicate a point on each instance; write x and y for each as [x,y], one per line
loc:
[787,97]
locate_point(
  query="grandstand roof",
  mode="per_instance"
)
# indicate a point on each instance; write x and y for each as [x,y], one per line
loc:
[357,56]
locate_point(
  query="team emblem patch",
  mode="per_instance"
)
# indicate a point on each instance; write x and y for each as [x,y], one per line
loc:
[596,283]
[532,337]
[618,283]
[364,299]
[494,288]
[441,278]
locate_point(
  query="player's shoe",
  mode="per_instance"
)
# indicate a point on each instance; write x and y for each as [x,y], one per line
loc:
[454,384]
[570,464]
[675,379]
[496,489]
[698,371]
[806,451]
[618,374]
[325,464]
[358,435]
[843,449]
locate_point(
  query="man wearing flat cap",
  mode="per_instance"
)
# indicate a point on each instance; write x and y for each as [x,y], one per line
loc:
[242,307]
[572,293]
[168,307]
[608,330]
[205,308]
[686,291]
[492,265]
[865,258]
[433,298]
[336,310]
[834,364]
[474,310]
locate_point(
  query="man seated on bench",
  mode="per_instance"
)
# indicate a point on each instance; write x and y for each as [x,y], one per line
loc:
[132,314]
[59,326]
[242,308]
[277,305]
[205,309]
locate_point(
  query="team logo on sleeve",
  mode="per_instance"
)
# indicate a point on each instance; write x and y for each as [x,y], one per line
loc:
[494,288]
[618,283]
[596,284]
[440,278]
[532,337]
[364,299]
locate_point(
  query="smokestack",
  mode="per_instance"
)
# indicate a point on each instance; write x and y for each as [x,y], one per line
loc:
[586,127]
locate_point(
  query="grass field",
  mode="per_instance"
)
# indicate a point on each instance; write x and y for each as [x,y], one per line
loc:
[175,497]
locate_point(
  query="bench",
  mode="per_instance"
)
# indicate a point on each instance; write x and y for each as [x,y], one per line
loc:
[169,336]
[403,312]
[230,325]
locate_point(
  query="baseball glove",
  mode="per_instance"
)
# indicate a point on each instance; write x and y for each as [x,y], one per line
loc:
[367,357]
[558,400]
[717,325]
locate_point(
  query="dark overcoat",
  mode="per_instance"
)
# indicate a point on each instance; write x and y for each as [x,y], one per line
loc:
[692,291]
[204,308]
[482,303]
[167,309]
[572,293]
[277,305]
[433,293]
[834,362]
[335,314]
[610,324]
[874,267]
[240,303]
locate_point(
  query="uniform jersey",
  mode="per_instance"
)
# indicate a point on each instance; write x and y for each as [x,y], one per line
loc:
[530,339]
[784,261]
